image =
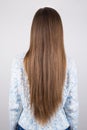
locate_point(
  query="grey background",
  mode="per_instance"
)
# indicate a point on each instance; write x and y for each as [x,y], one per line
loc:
[15,21]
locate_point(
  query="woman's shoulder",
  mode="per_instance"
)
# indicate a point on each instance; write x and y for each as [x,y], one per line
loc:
[72,72]
[20,55]
[17,61]
[71,62]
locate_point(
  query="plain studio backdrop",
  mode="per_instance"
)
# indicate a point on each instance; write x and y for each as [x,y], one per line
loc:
[15,22]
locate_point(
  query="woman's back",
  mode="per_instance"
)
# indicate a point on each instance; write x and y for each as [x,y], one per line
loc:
[19,99]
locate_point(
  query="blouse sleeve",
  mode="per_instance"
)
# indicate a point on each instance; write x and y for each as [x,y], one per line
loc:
[71,106]
[15,104]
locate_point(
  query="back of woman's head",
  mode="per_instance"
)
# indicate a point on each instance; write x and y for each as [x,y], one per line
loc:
[45,64]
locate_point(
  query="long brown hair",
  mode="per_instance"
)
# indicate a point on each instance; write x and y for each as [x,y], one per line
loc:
[45,64]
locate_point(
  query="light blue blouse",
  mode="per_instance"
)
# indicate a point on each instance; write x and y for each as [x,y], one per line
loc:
[19,108]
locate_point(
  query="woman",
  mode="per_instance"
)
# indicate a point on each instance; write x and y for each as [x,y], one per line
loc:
[44,87]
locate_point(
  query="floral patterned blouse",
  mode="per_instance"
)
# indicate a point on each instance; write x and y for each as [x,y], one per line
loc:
[19,107]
